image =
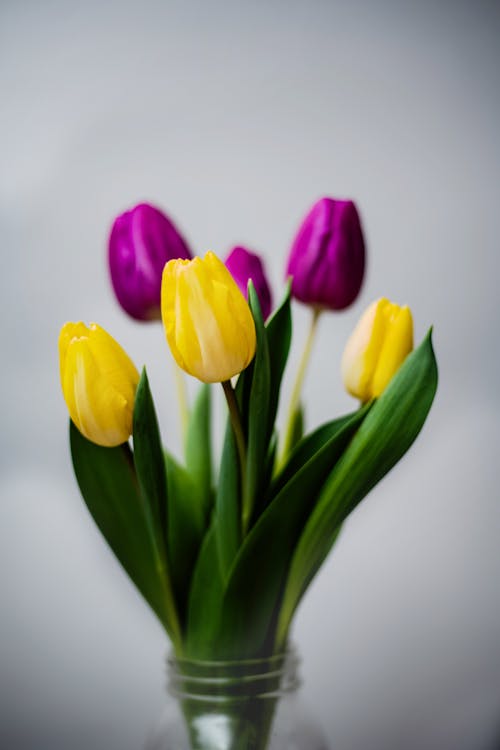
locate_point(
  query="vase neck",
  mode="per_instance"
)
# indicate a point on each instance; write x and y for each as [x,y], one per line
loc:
[223,681]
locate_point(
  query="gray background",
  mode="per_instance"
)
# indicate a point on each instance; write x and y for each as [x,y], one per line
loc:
[234,117]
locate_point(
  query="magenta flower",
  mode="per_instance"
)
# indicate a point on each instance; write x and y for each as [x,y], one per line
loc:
[327,258]
[142,240]
[244,265]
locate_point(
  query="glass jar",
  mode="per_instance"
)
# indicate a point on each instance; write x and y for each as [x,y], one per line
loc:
[236,705]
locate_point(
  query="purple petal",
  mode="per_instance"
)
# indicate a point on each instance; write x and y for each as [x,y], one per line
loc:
[327,258]
[141,242]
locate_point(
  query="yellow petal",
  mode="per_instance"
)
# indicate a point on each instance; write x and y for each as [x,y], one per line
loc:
[99,382]
[208,323]
[170,306]
[398,343]
[377,347]
[115,366]
[362,350]
[68,332]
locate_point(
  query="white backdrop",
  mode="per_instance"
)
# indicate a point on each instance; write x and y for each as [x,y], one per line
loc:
[235,117]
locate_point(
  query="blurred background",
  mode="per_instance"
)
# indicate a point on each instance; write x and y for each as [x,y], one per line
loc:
[234,117]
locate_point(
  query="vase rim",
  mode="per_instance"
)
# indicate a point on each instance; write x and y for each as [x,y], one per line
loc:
[233,680]
[284,657]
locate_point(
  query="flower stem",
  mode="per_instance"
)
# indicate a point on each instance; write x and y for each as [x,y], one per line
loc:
[235,416]
[297,388]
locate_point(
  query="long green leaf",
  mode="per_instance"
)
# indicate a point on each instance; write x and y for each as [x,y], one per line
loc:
[198,449]
[388,431]
[205,599]
[279,334]
[228,497]
[228,504]
[148,459]
[150,468]
[306,449]
[269,366]
[108,483]
[258,413]
[186,526]
[260,569]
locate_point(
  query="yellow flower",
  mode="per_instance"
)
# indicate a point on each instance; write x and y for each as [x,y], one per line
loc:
[98,381]
[377,347]
[208,323]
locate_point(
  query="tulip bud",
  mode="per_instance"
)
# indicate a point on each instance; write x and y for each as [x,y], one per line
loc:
[142,240]
[379,344]
[327,259]
[99,382]
[243,266]
[208,323]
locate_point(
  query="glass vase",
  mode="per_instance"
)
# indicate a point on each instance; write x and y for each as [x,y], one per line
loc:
[236,705]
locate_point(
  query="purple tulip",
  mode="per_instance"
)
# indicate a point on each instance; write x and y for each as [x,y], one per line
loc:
[142,240]
[244,265]
[327,258]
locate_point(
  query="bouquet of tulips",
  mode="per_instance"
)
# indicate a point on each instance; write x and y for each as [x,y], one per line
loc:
[224,557]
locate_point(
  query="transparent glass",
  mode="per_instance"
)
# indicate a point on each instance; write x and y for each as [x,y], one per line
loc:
[246,705]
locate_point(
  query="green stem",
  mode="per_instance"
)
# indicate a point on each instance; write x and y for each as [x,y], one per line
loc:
[297,388]
[235,416]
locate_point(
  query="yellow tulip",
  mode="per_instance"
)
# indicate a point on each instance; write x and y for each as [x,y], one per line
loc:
[99,382]
[377,347]
[208,323]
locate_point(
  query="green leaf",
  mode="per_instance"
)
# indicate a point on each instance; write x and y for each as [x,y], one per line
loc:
[258,413]
[205,599]
[186,526]
[248,387]
[108,483]
[198,448]
[150,469]
[279,335]
[388,431]
[228,504]
[307,448]
[148,460]
[260,570]
[262,499]
[257,393]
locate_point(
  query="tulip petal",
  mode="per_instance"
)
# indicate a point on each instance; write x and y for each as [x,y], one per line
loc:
[141,242]
[208,323]
[68,332]
[327,258]
[397,344]
[114,363]
[245,266]
[98,381]
[377,347]
[362,351]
